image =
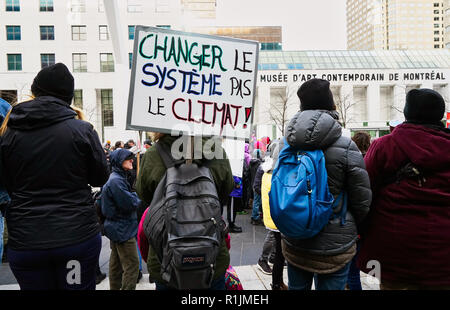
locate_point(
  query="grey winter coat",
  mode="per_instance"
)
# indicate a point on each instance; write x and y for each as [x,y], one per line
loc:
[333,247]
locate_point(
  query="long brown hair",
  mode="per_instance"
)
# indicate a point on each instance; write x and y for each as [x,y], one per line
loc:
[362,141]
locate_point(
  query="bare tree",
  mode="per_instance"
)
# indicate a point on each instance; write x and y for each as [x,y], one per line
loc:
[344,104]
[278,110]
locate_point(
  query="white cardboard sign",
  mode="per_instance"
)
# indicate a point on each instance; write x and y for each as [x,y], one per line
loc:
[194,83]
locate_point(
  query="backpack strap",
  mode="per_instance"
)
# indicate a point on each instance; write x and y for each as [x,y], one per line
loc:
[342,196]
[166,156]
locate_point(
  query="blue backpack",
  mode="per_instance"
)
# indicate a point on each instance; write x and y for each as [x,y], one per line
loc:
[300,201]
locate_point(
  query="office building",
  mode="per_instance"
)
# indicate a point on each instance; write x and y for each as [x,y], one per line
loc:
[395,24]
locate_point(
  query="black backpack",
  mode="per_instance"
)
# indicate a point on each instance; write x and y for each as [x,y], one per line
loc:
[184,224]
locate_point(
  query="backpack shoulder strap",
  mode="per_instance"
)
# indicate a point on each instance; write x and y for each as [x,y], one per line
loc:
[166,156]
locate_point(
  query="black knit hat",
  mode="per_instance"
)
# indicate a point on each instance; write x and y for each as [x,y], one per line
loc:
[424,106]
[315,94]
[55,80]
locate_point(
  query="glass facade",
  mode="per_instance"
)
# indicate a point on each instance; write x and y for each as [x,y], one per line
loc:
[270,46]
[343,59]
[131,32]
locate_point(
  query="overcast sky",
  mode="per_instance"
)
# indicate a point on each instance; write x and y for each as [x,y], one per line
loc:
[306,24]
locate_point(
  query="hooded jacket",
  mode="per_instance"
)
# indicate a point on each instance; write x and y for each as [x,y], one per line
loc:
[49,159]
[119,203]
[408,227]
[334,246]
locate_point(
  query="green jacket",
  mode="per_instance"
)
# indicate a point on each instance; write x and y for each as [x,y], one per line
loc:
[152,170]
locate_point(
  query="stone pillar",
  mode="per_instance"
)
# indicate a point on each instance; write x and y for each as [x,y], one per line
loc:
[373,103]
[262,106]
[427,84]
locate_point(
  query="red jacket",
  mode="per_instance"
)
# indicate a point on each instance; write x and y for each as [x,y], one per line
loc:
[408,227]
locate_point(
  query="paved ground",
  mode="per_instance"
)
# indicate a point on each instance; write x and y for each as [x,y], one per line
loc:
[245,250]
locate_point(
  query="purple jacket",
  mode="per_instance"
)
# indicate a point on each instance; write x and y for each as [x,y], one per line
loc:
[237,192]
[247,156]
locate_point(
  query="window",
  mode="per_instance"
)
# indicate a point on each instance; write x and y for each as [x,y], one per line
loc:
[436,39]
[12,32]
[12,6]
[47,60]
[162,6]
[270,46]
[106,62]
[46,5]
[130,60]
[134,6]
[14,62]
[79,33]
[436,11]
[131,32]
[436,32]
[101,6]
[78,6]
[436,46]
[47,32]
[79,62]
[103,33]
[107,107]
[78,98]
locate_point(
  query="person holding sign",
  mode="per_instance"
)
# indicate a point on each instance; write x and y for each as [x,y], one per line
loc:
[152,172]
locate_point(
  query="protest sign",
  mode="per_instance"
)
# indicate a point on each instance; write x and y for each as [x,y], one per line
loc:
[194,83]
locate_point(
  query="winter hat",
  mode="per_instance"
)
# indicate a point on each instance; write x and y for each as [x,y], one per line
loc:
[424,106]
[315,94]
[55,80]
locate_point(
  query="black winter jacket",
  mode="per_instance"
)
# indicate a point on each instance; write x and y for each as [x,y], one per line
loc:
[317,129]
[49,160]
[258,180]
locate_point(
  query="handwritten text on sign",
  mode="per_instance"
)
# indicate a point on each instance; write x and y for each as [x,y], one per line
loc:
[202,85]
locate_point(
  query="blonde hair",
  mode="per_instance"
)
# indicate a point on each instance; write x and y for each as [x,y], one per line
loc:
[4,127]
[80,113]
[155,136]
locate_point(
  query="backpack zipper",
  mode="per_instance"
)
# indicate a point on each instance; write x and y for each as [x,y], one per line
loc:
[308,184]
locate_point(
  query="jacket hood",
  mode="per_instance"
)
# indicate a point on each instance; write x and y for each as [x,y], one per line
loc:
[424,146]
[313,129]
[117,157]
[268,164]
[39,113]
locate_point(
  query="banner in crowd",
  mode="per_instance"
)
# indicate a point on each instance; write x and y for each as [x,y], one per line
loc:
[194,83]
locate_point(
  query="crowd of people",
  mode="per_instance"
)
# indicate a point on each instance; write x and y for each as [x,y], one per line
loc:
[396,210]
